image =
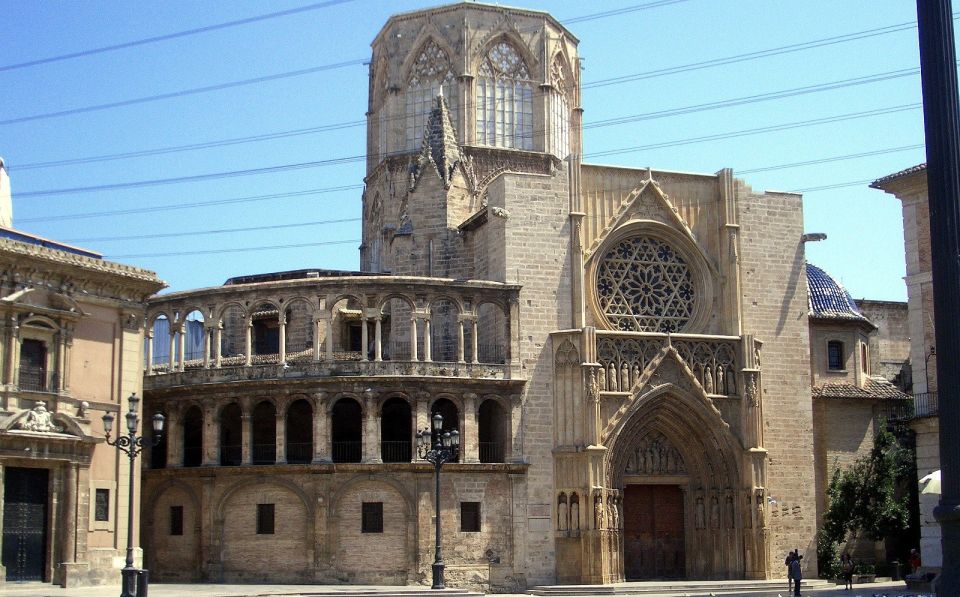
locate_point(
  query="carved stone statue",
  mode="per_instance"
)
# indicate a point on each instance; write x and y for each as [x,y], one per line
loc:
[562,513]
[598,510]
[574,513]
[39,419]
[699,514]
[714,513]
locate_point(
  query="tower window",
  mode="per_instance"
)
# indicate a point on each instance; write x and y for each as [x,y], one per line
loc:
[504,99]
[835,355]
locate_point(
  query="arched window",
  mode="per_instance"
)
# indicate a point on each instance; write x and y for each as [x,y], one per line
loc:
[264,433]
[491,431]
[395,431]
[193,437]
[231,443]
[504,99]
[430,72]
[300,432]
[451,417]
[835,355]
[559,117]
[346,423]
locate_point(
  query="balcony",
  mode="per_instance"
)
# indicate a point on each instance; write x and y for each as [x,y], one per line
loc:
[925,405]
[36,379]
[333,327]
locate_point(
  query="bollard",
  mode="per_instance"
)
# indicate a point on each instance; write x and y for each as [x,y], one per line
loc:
[143,581]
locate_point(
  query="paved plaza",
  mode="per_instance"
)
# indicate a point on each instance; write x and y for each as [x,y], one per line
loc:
[890,589]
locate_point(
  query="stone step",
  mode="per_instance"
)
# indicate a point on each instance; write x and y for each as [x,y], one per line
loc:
[688,588]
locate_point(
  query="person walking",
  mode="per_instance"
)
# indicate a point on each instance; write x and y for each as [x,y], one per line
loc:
[787,562]
[846,567]
[795,573]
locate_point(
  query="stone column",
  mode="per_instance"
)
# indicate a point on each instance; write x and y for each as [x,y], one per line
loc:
[172,357]
[514,327]
[474,341]
[469,438]
[211,437]
[413,338]
[61,369]
[182,341]
[423,416]
[283,337]
[378,339]
[371,436]
[68,515]
[329,321]
[321,429]
[13,337]
[460,323]
[427,352]
[248,342]
[246,436]
[207,334]
[148,369]
[364,339]
[218,345]
[281,438]
[316,339]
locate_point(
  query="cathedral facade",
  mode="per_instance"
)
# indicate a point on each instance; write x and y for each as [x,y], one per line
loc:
[625,353]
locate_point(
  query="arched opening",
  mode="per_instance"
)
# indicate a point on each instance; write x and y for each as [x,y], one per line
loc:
[158,346]
[265,333]
[233,336]
[231,435]
[264,433]
[491,334]
[348,330]
[451,417]
[396,326]
[395,431]
[193,437]
[300,432]
[491,431]
[158,450]
[193,330]
[299,331]
[346,424]
[443,331]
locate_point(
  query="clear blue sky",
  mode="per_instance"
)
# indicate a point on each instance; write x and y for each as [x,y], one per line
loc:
[864,226]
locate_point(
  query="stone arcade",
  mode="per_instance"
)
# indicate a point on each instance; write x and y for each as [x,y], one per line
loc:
[625,352]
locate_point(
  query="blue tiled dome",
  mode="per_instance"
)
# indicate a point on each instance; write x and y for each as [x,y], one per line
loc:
[829,299]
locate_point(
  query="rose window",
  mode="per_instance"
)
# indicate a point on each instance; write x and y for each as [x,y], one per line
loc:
[643,285]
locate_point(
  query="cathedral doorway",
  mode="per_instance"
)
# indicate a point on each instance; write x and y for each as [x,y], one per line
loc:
[653,532]
[25,523]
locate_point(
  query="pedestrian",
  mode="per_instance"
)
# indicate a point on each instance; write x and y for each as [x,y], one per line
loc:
[914,561]
[795,573]
[787,562]
[846,567]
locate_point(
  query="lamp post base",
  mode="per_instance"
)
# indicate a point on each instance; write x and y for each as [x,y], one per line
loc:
[128,582]
[438,576]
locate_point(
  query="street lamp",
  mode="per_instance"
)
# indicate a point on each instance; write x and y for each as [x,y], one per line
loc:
[437,447]
[132,445]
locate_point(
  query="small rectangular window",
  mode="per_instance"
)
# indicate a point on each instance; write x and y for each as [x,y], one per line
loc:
[470,517]
[835,355]
[176,520]
[265,519]
[372,517]
[101,511]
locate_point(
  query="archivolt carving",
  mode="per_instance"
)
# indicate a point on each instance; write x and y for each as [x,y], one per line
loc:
[655,455]
[713,363]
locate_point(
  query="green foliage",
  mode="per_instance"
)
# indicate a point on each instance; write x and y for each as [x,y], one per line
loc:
[863,499]
[828,561]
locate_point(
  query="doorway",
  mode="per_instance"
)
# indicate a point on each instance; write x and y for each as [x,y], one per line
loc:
[653,545]
[25,523]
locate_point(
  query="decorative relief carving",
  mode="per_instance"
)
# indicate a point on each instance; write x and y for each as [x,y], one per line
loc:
[567,355]
[655,455]
[712,363]
[39,419]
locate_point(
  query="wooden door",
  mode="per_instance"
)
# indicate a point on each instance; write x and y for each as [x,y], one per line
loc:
[653,543]
[25,523]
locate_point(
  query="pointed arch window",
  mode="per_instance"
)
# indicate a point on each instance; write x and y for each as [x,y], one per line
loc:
[559,117]
[430,72]
[504,99]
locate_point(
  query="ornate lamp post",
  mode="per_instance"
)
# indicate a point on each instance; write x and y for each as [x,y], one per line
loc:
[132,445]
[437,447]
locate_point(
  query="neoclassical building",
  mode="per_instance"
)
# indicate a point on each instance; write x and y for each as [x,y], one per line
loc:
[625,353]
[71,332]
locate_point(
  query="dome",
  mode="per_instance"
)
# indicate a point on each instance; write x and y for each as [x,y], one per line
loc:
[828,299]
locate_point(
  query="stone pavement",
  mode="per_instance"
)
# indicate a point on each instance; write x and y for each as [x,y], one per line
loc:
[890,589]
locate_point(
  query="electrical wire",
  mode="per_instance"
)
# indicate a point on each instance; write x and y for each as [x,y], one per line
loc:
[194,233]
[839,158]
[235,250]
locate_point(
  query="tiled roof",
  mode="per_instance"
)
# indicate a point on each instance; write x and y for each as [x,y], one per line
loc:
[828,299]
[891,177]
[876,388]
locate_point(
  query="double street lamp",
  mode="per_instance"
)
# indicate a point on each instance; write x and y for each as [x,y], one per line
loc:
[132,445]
[437,447]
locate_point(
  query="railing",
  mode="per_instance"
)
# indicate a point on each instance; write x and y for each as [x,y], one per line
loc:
[925,405]
[231,455]
[35,379]
[265,453]
[192,456]
[299,452]
[347,451]
[392,451]
[491,353]
[491,451]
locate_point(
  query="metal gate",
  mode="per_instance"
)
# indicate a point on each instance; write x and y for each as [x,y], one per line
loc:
[25,523]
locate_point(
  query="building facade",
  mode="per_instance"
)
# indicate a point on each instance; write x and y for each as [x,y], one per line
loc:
[624,351]
[70,351]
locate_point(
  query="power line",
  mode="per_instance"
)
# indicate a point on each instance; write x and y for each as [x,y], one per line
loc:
[176,35]
[599,83]
[236,250]
[601,123]
[755,131]
[620,11]
[839,185]
[206,232]
[191,205]
[839,158]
